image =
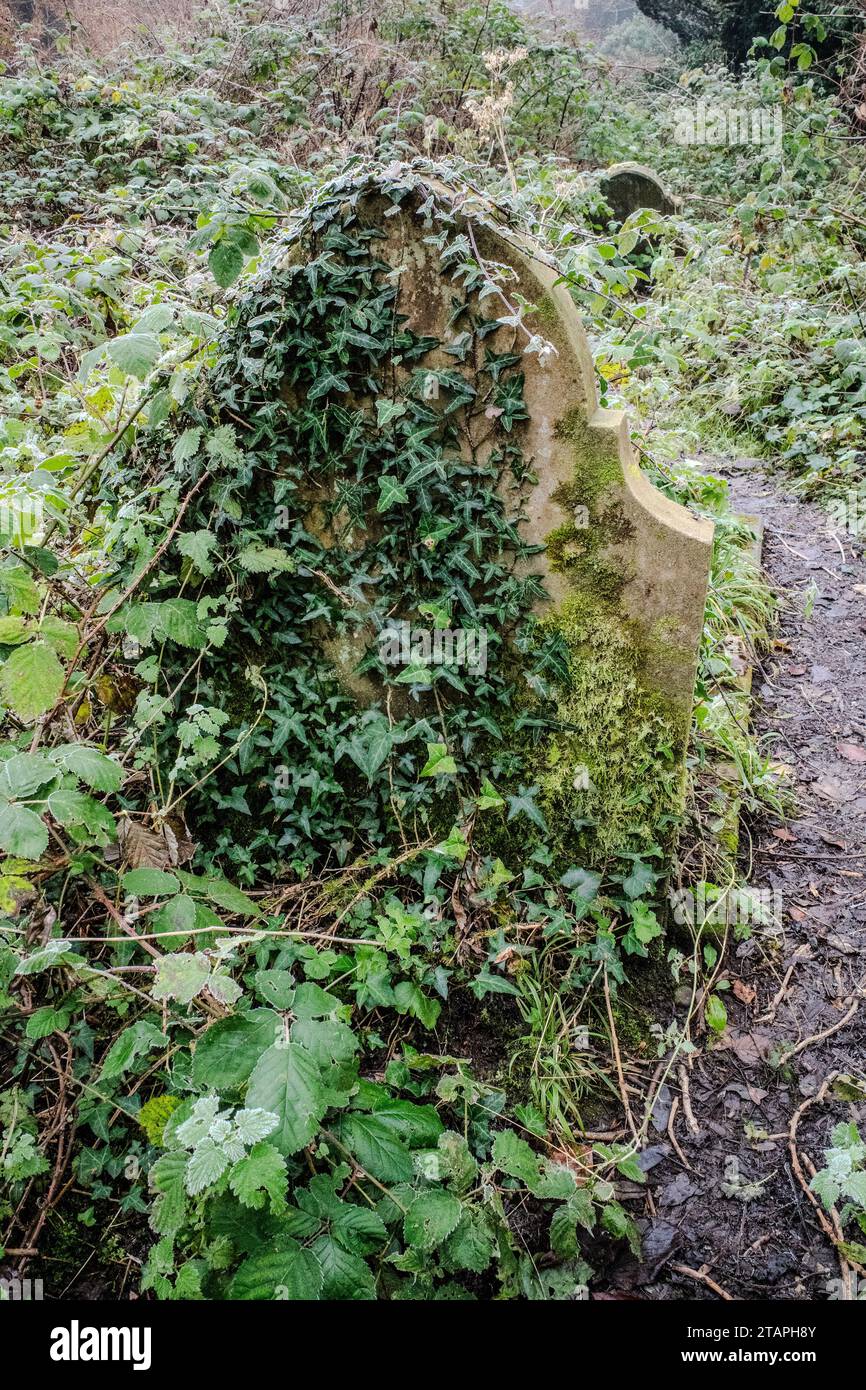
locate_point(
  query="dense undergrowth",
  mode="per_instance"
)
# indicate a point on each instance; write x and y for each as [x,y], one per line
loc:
[285,1033]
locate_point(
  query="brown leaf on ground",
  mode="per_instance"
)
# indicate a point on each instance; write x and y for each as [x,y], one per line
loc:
[852,752]
[744,992]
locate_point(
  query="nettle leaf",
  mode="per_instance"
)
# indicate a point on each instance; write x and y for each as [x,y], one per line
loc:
[178,620]
[60,635]
[276,987]
[186,447]
[226,895]
[377,1148]
[181,976]
[135,353]
[311,1001]
[24,773]
[149,883]
[471,1245]
[207,1163]
[226,261]
[431,1218]
[346,1276]
[96,770]
[230,1049]
[13,630]
[512,1155]
[20,589]
[31,680]
[22,833]
[281,1270]
[265,559]
[71,808]
[167,1179]
[42,1022]
[197,546]
[287,1081]
[260,1175]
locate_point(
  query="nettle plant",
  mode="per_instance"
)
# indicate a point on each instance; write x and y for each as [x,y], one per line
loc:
[843,1178]
[301,1179]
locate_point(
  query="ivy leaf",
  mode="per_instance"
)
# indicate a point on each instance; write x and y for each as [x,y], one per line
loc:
[488,798]
[22,832]
[287,1081]
[410,999]
[524,805]
[370,752]
[391,493]
[387,410]
[181,976]
[133,1042]
[639,880]
[31,680]
[439,761]
[281,1270]
[135,353]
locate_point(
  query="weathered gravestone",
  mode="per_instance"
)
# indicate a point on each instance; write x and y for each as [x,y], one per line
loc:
[472,551]
[628,187]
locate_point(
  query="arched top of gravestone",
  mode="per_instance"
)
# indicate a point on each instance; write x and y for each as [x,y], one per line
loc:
[607,533]
[628,187]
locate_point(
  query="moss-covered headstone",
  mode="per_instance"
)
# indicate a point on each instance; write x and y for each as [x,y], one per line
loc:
[628,187]
[472,616]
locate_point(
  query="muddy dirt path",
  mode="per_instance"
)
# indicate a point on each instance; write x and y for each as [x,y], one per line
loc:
[738,1214]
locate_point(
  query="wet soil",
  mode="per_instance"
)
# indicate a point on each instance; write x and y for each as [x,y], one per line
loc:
[730,1207]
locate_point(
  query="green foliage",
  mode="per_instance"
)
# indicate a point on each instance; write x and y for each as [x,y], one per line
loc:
[176,466]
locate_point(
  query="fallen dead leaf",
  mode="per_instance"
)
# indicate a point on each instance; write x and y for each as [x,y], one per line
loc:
[852,752]
[783,834]
[744,992]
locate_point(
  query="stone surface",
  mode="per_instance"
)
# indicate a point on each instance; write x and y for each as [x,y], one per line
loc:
[624,568]
[628,187]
